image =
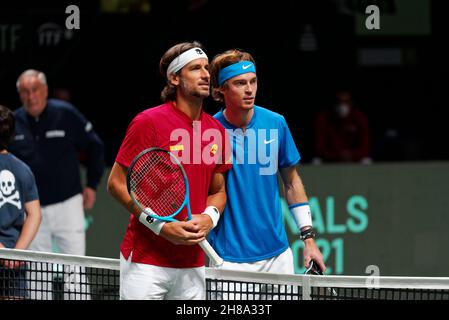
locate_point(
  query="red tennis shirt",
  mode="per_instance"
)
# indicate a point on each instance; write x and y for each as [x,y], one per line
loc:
[201,147]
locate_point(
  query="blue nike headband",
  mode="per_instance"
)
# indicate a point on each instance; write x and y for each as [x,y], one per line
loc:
[235,69]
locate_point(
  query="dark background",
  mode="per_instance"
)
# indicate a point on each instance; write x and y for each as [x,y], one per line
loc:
[111,64]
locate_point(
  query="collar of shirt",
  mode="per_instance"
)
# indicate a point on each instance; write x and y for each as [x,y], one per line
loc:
[181,115]
[42,116]
[231,126]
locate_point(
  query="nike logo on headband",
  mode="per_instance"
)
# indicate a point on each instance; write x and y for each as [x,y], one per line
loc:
[246,67]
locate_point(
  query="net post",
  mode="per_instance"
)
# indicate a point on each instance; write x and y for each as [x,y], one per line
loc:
[306,288]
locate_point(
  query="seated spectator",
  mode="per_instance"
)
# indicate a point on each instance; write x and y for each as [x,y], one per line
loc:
[342,132]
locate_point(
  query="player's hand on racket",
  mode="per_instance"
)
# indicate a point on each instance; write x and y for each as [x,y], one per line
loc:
[311,252]
[183,233]
[315,270]
[202,222]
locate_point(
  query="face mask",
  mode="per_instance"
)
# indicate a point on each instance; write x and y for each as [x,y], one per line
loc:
[342,110]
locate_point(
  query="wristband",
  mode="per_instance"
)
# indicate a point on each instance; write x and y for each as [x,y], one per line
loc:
[214,214]
[307,234]
[301,213]
[151,223]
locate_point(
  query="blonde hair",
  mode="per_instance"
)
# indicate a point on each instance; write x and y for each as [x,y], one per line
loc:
[221,61]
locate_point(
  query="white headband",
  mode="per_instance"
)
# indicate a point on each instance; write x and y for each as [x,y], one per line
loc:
[184,58]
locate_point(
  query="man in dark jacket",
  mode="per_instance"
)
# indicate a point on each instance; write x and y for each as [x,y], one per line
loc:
[50,135]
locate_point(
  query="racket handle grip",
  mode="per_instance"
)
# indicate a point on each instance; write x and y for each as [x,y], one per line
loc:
[211,253]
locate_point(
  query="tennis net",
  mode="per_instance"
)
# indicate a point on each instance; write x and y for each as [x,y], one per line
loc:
[232,285]
[50,276]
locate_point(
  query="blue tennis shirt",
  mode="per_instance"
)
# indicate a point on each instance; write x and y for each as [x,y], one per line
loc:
[250,228]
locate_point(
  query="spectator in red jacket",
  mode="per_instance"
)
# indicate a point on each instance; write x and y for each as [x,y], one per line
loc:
[342,132]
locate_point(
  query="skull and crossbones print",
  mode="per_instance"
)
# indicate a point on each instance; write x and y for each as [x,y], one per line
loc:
[7,187]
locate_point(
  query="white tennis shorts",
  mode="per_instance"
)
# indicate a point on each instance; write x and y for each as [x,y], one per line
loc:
[282,263]
[140,281]
[62,222]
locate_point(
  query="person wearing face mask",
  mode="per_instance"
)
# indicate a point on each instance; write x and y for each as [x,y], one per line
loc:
[342,132]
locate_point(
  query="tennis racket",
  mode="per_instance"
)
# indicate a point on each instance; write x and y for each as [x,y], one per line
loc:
[314,269]
[158,185]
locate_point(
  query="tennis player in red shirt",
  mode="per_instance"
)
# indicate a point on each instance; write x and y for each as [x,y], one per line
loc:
[162,260]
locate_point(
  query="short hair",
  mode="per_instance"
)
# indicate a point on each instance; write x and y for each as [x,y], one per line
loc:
[7,126]
[221,61]
[169,91]
[32,72]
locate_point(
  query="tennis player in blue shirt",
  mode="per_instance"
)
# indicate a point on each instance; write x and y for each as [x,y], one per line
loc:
[250,234]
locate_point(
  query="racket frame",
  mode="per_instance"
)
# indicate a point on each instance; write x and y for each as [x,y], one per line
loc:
[149,211]
[207,248]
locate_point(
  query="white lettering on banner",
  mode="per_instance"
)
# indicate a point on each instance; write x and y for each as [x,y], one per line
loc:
[50,34]
[9,36]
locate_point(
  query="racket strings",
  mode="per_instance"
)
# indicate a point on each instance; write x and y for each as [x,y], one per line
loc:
[158,183]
